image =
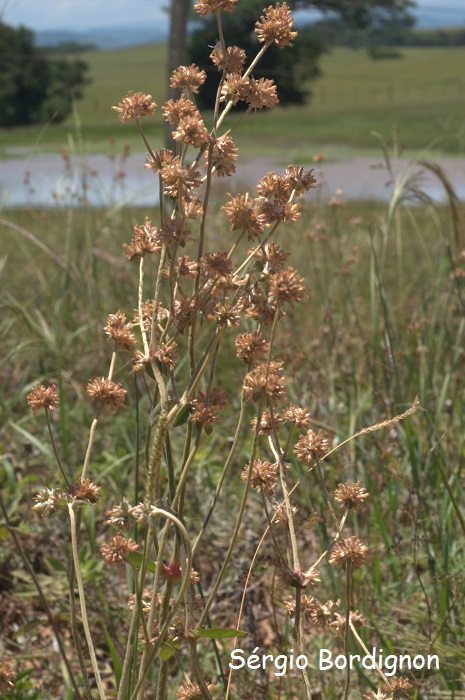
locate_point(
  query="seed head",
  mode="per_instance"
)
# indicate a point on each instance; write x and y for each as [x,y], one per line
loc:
[43,397]
[144,241]
[287,286]
[106,393]
[398,687]
[50,500]
[190,691]
[259,383]
[175,110]
[86,490]
[296,415]
[300,180]
[350,496]
[120,331]
[266,424]
[251,347]
[259,93]
[275,25]
[188,77]
[224,156]
[116,551]
[244,215]
[263,476]
[191,130]
[205,7]
[134,106]
[232,62]
[311,447]
[349,550]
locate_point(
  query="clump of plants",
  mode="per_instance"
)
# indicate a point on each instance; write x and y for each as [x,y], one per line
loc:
[195,306]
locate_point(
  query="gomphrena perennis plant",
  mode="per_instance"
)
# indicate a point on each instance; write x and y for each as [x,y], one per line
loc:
[204,301]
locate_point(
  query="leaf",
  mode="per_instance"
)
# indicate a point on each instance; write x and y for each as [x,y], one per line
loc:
[114,657]
[137,557]
[182,415]
[169,649]
[219,633]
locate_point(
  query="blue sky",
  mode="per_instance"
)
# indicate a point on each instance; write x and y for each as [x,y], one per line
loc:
[87,14]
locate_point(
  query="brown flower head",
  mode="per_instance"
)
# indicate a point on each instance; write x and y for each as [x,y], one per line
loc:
[350,496]
[280,211]
[48,501]
[191,130]
[121,515]
[263,477]
[251,347]
[287,286]
[232,62]
[120,331]
[224,156]
[175,110]
[158,159]
[319,614]
[266,424]
[378,695]
[117,550]
[232,88]
[188,77]
[43,397]
[106,393]
[349,550]
[258,383]
[300,180]
[85,490]
[175,231]
[259,93]
[186,267]
[167,354]
[191,691]
[205,407]
[7,677]
[144,241]
[216,264]
[134,106]
[205,7]
[339,622]
[297,578]
[296,415]
[273,186]
[281,515]
[244,214]
[177,179]
[226,314]
[271,258]
[311,447]
[275,25]
[398,687]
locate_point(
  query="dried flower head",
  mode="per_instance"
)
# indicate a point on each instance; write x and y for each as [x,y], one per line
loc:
[190,691]
[271,257]
[350,496]
[269,384]
[266,423]
[281,515]
[398,687]
[188,77]
[85,490]
[7,677]
[120,331]
[232,62]
[121,515]
[264,476]
[205,407]
[117,550]
[297,578]
[296,415]
[43,397]
[216,264]
[175,110]
[167,354]
[378,695]
[300,180]
[259,93]
[144,241]
[349,550]
[107,393]
[191,130]
[287,286]
[232,88]
[224,156]
[251,347]
[48,501]
[158,159]
[244,214]
[280,211]
[186,267]
[356,618]
[311,447]
[275,25]
[134,106]
[205,7]
[274,186]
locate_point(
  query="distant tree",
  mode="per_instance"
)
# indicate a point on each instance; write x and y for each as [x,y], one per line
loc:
[34,87]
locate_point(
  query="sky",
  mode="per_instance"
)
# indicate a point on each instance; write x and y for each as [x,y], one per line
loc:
[87,14]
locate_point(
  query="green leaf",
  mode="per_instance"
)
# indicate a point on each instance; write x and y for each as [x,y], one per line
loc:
[114,657]
[219,633]
[169,649]
[182,416]
[137,557]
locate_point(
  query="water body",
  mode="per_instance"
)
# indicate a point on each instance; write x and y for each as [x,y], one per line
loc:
[102,181]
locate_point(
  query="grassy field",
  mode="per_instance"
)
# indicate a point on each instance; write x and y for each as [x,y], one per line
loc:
[419,98]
